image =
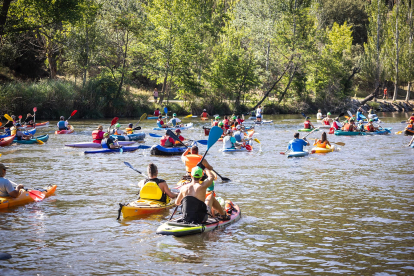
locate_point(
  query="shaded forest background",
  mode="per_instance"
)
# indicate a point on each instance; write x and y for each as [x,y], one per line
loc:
[105,57]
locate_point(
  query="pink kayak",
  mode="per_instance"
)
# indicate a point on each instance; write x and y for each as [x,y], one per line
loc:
[96,145]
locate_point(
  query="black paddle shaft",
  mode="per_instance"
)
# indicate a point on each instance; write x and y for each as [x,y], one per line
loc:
[175,137]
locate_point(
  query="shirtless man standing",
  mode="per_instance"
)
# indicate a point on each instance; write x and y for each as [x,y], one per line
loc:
[193,197]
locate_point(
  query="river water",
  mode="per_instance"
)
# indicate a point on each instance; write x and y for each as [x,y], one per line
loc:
[348,212]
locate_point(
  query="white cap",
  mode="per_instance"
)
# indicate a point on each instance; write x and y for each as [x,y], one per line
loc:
[238,127]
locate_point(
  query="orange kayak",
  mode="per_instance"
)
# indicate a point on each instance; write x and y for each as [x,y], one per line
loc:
[24,198]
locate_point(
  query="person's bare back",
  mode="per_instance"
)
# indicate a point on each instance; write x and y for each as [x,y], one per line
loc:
[195,189]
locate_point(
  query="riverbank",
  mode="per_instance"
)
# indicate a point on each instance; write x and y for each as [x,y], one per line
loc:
[382,106]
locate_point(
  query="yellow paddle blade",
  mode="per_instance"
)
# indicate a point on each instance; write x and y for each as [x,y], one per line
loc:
[0,154]
[346,117]
[143,116]
[8,117]
[339,143]
[256,140]
[39,142]
[399,132]
[188,116]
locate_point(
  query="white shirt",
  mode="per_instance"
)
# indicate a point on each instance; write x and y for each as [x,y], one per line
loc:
[319,116]
[258,112]
[176,121]
[6,186]
[118,132]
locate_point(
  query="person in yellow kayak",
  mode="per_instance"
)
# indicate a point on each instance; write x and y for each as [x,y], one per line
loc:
[319,115]
[323,142]
[62,124]
[410,126]
[152,171]
[307,124]
[7,187]
[195,207]
[129,129]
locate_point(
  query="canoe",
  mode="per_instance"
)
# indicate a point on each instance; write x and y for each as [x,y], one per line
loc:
[6,141]
[24,197]
[306,130]
[347,133]
[160,150]
[124,149]
[42,138]
[154,118]
[408,132]
[186,126]
[323,150]
[28,132]
[69,131]
[96,145]
[144,207]
[383,131]
[179,228]
[297,153]
[130,137]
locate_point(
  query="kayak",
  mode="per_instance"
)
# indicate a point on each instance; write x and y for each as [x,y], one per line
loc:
[408,132]
[130,137]
[204,118]
[24,197]
[383,131]
[124,149]
[323,150]
[154,118]
[38,125]
[29,132]
[297,153]
[186,126]
[252,118]
[6,141]
[179,228]
[372,116]
[67,131]
[144,207]
[347,133]
[306,130]
[160,150]
[42,138]
[237,150]
[96,145]
[324,126]
[264,122]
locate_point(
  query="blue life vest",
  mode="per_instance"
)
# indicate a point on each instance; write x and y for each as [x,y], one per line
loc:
[174,122]
[61,125]
[159,124]
[237,136]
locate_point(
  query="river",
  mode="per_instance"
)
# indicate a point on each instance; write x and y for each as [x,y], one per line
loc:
[349,212]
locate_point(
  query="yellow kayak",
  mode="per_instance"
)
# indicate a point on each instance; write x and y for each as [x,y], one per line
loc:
[144,207]
[323,150]
[24,198]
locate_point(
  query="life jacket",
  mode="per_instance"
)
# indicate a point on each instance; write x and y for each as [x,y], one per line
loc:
[321,145]
[215,123]
[117,133]
[335,125]
[160,123]
[181,139]
[239,121]
[204,114]
[192,161]
[370,128]
[306,125]
[348,127]
[194,210]
[156,113]
[97,136]
[129,130]
[151,190]
[13,131]
[410,127]
[238,137]
[174,122]
[167,142]
[62,125]
[326,122]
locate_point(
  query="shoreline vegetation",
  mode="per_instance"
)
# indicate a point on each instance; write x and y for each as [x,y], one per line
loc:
[105,58]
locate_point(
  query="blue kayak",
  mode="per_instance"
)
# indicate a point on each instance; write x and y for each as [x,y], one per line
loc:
[297,153]
[186,126]
[154,118]
[383,131]
[124,149]
[130,137]
[160,150]
[32,132]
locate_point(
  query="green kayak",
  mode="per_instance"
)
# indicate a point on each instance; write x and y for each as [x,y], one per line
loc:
[42,138]
[307,130]
[347,133]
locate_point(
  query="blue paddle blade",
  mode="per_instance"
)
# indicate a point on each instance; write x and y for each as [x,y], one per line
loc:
[215,134]
[202,142]
[362,116]
[303,114]
[165,110]
[154,135]
[143,147]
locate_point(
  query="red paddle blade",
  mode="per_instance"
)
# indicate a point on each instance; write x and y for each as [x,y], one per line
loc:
[282,153]
[331,130]
[34,109]
[73,113]
[20,116]
[114,120]
[36,195]
[314,151]
[248,147]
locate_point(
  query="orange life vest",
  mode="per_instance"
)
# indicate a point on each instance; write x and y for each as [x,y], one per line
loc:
[129,130]
[348,127]
[192,161]
[321,145]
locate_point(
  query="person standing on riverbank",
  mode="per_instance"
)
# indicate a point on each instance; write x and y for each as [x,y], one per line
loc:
[385,93]
[7,187]
[155,94]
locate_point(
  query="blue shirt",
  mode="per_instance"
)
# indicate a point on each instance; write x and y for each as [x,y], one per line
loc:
[297,144]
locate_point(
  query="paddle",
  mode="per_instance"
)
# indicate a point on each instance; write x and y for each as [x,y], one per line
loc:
[8,117]
[166,112]
[140,119]
[114,121]
[302,139]
[38,141]
[73,113]
[188,116]
[20,119]
[34,115]
[36,195]
[399,132]
[175,137]
[130,166]
[337,143]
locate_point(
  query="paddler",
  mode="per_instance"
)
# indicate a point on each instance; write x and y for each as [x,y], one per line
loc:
[167,141]
[216,121]
[321,143]
[204,114]
[336,124]
[195,206]
[229,142]
[117,130]
[109,142]
[7,187]
[29,119]
[62,124]
[238,134]
[160,122]
[152,171]
[319,115]
[129,129]
[297,144]
[98,134]
[307,124]
[226,123]
[327,120]
[239,120]
[178,133]
[259,114]
[221,125]
[410,126]
[359,114]
[157,112]
[350,126]
[174,121]
[361,126]
[20,135]
[191,158]
[370,126]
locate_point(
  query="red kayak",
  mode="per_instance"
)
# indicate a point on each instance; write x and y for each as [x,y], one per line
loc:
[38,125]
[6,141]
[67,131]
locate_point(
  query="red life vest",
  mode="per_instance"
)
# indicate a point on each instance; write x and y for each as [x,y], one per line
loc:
[156,113]
[204,114]
[335,125]
[97,136]
[348,127]
[370,128]
[306,125]
[326,122]
[167,142]
[215,123]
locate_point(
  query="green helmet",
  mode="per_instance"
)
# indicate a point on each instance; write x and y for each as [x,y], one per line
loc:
[174,115]
[118,125]
[221,124]
[371,120]
[234,117]
[217,117]
[329,113]
[197,172]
